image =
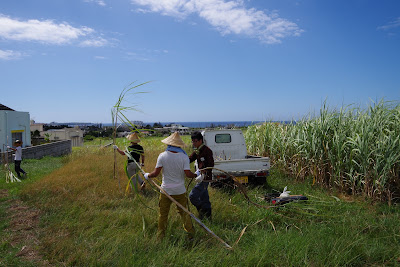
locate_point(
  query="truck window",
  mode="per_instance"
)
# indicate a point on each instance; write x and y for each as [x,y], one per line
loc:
[223,138]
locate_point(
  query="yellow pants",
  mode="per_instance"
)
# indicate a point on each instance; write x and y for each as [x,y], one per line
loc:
[165,204]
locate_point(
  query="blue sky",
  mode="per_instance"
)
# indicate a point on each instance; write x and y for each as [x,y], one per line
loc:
[207,60]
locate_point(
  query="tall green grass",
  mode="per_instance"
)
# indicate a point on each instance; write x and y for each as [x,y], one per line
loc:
[9,192]
[87,221]
[353,149]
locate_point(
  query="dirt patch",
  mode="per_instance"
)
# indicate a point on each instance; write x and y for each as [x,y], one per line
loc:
[3,193]
[24,230]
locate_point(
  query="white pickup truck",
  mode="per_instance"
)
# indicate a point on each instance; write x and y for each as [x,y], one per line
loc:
[230,157]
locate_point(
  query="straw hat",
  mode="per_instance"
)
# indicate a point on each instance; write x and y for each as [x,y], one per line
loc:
[133,137]
[174,140]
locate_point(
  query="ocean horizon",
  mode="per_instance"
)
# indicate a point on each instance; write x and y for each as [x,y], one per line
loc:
[202,124]
[190,124]
[205,124]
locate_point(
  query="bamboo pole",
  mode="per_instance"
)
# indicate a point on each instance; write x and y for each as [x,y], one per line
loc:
[185,210]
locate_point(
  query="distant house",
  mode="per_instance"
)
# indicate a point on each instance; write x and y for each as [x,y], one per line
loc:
[36,126]
[14,125]
[74,134]
[174,128]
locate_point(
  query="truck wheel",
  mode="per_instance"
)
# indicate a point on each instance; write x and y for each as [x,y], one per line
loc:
[223,183]
[257,180]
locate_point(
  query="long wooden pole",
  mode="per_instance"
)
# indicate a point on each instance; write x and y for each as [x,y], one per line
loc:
[186,210]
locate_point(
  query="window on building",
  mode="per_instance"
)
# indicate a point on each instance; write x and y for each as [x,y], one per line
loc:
[223,138]
[16,136]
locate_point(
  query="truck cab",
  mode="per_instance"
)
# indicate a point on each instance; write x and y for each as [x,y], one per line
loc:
[231,158]
[226,144]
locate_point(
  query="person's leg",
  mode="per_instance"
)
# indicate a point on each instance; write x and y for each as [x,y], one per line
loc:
[164,206]
[132,169]
[17,166]
[187,222]
[194,195]
[21,170]
[205,203]
[200,199]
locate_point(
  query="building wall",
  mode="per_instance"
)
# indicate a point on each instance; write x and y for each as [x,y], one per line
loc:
[36,126]
[75,134]
[14,122]
[54,149]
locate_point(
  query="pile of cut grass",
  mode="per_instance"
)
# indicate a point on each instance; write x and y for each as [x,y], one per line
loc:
[87,220]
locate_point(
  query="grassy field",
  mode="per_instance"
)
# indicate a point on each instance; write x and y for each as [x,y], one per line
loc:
[88,219]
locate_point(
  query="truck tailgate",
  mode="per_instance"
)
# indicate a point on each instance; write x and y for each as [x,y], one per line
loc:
[249,165]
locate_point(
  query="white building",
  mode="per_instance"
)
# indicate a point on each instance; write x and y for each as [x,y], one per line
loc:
[14,125]
[74,134]
[36,126]
[175,128]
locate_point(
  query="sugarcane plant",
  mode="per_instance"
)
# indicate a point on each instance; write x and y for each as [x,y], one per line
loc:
[119,117]
[356,150]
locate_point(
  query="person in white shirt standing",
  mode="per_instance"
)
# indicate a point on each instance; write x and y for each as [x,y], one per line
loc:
[175,165]
[18,158]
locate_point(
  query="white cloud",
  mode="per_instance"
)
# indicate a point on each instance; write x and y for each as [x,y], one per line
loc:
[10,55]
[99,2]
[390,25]
[45,31]
[228,17]
[98,42]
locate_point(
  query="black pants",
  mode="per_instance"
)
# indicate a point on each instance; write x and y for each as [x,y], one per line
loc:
[18,168]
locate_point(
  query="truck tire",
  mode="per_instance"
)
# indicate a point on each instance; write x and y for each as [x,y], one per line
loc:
[222,183]
[257,180]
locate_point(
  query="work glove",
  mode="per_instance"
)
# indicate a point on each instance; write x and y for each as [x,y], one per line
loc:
[142,164]
[146,176]
[197,172]
[8,147]
[199,178]
[115,146]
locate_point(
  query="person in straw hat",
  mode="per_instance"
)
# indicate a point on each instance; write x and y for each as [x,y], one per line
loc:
[137,152]
[174,163]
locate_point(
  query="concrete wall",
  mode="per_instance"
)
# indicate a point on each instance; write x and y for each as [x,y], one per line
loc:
[54,149]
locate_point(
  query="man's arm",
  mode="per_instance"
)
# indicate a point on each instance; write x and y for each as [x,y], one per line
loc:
[190,174]
[155,173]
[119,150]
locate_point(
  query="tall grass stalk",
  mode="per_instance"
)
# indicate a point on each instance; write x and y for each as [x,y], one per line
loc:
[353,149]
[118,112]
